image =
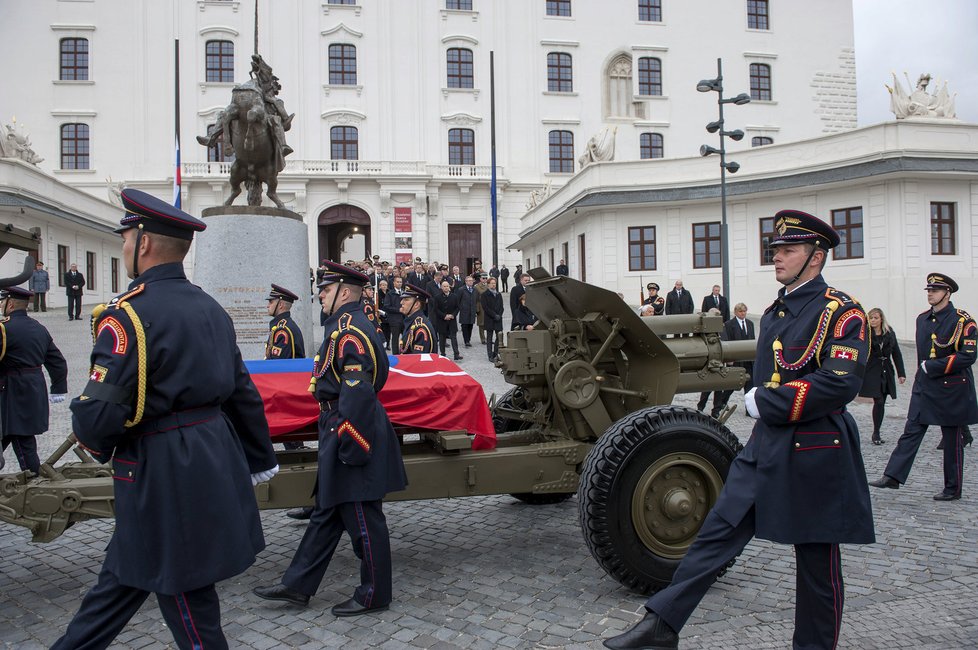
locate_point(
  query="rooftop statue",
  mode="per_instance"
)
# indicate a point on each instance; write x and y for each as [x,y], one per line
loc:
[600,147]
[15,143]
[252,128]
[539,195]
[920,103]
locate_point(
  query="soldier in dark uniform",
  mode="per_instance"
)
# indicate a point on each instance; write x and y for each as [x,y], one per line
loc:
[284,336]
[370,309]
[800,480]
[359,455]
[418,336]
[943,389]
[27,346]
[654,305]
[170,403]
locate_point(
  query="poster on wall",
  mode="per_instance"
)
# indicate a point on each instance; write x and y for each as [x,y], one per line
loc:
[402,236]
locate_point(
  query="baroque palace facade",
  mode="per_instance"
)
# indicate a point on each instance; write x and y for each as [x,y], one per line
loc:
[393,111]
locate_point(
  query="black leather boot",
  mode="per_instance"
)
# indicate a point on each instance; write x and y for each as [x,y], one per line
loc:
[283,593]
[651,633]
[886,482]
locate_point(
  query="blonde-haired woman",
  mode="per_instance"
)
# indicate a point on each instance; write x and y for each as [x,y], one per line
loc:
[878,382]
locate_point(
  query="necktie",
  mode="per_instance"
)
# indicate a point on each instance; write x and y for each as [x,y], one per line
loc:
[743,327]
[716,300]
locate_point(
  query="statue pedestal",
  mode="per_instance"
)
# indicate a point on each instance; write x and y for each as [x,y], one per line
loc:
[243,251]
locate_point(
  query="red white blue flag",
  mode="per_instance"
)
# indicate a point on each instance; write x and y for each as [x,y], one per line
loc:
[176,175]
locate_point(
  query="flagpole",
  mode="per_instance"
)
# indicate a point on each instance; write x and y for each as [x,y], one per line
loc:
[492,131]
[176,122]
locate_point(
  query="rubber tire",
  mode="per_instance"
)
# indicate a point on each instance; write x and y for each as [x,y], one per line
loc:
[610,475]
[501,424]
[542,499]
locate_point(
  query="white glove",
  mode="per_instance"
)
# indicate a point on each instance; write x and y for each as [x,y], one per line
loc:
[261,477]
[923,366]
[56,399]
[751,405]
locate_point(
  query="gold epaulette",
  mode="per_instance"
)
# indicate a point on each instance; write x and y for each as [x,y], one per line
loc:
[963,314]
[122,302]
[115,302]
[844,299]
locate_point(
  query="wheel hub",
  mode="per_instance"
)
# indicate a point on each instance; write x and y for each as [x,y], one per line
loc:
[671,500]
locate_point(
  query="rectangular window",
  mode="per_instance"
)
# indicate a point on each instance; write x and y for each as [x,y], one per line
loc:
[74,59]
[115,274]
[551,253]
[539,260]
[460,5]
[560,75]
[460,68]
[757,14]
[706,245]
[342,65]
[650,146]
[461,147]
[342,2]
[848,222]
[942,239]
[558,8]
[562,152]
[75,146]
[649,76]
[90,270]
[582,257]
[565,253]
[215,152]
[344,143]
[641,248]
[62,264]
[767,236]
[760,81]
[650,11]
[219,62]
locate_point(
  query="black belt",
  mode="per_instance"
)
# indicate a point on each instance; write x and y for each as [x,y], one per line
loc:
[176,420]
[327,405]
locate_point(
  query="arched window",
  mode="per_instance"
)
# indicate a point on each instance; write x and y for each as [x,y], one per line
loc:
[761,140]
[75,146]
[459,68]
[342,64]
[562,152]
[461,147]
[649,76]
[219,61]
[760,81]
[560,73]
[344,143]
[651,146]
[74,59]
[215,153]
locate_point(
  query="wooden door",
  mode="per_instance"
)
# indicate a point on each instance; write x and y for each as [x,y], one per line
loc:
[465,246]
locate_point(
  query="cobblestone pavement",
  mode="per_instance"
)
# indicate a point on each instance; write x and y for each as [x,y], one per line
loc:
[492,572]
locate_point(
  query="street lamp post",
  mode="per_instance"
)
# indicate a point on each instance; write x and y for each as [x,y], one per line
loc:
[716,85]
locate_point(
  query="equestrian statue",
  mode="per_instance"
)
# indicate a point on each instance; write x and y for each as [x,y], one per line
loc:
[252,129]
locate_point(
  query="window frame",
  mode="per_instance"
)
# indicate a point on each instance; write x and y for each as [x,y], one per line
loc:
[709,241]
[458,5]
[215,152]
[565,151]
[647,144]
[760,76]
[755,141]
[91,269]
[344,142]
[223,69]
[556,8]
[344,76]
[560,72]
[459,78]
[641,242]
[649,79]
[63,263]
[77,159]
[937,220]
[848,230]
[74,71]
[757,17]
[651,8]
[460,151]
[765,237]
[114,274]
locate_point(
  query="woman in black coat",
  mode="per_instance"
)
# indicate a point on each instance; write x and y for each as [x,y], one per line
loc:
[878,382]
[523,318]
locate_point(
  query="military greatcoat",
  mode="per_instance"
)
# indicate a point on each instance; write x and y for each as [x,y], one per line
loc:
[945,394]
[802,468]
[418,336]
[170,402]
[359,454]
[26,346]
[284,338]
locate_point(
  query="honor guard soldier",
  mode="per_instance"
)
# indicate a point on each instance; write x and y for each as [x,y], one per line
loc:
[26,347]
[359,455]
[654,305]
[170,403]
[370,308]
[418,336]
[943,389]
[800,480]
[284,336]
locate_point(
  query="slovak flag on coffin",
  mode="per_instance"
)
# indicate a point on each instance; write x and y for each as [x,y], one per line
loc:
[423,391]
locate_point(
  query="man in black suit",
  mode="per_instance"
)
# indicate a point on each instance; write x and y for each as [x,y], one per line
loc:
[392,306]
[518,290]
[738,328]
[679,301]
[562,268]
[74,284]
[716,301]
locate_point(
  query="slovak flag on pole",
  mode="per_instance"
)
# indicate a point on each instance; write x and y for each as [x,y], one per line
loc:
[176,176]
[176,121]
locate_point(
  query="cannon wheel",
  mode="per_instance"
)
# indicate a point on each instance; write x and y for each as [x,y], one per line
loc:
[646,487]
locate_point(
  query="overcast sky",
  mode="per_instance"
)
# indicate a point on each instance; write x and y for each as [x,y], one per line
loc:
[915,36]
